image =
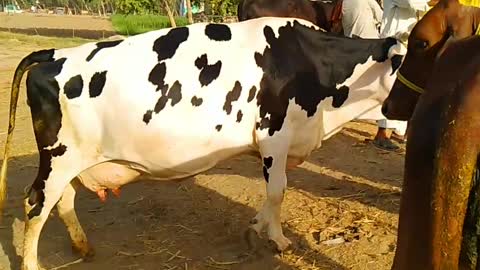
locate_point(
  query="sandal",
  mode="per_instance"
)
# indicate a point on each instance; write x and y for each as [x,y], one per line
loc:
[385,144]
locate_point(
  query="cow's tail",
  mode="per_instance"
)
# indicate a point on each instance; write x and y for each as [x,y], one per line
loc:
[25,64]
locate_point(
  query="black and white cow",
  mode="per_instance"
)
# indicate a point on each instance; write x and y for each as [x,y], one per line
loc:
[173,103]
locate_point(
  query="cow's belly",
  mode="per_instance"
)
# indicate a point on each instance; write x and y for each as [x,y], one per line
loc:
[307,133]
[178,141]
[178,147]
[158,159]
[169,156]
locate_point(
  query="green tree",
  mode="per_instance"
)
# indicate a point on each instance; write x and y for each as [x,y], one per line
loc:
[136,6]
[219,7]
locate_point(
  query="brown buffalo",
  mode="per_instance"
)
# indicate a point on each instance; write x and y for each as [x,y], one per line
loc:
[447,21]
[440,211]
[326,14]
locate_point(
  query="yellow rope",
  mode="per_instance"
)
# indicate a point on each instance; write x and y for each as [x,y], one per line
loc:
[474,3]
[409,84]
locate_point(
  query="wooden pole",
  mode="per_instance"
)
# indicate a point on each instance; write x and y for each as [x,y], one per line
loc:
[169,13]
[189,12]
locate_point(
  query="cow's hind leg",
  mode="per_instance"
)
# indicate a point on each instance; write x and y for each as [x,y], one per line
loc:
[274,157]
[66,212]
[58,166]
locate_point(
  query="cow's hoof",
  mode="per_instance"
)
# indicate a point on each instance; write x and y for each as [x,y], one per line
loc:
[280,245]
[251,237]
[87,252]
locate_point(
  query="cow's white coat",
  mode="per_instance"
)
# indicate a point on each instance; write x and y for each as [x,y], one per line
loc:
[109,145]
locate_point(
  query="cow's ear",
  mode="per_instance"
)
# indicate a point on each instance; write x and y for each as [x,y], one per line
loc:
[397,49]
[402,36]
[396,62]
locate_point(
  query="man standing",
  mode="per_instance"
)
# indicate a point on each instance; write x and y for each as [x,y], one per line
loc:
[398,16]
[401,15]
[360,18]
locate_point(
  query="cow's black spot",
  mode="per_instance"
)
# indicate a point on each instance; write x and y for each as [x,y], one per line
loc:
[396,63]
[208,73]
[161,103]
[306,65]
[196,101]
[218,127]
[147,116]
[73,88]
[103,45]
[232,96]
[340,97]
[166,46]
[251,93]
[174,94]
[218,32]
[239,116]
[265,174]
[43,93]
[43,97]
[267,164]
[36,195]
[201,61]
[157,75]
[97,83]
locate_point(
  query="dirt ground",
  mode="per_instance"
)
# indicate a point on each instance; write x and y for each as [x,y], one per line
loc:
[67,26]
[347,190]
[27,20]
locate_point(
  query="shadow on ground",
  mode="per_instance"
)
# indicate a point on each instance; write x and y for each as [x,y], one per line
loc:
[152,226]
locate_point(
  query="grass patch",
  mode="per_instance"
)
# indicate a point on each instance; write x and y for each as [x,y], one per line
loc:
[15,41]
[137,24]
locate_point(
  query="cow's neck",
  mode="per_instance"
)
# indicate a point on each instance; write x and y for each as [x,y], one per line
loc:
[335,57]
[354,63]
[368,87]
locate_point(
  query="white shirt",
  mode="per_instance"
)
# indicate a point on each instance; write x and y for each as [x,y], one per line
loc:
[400,16]
[360,18]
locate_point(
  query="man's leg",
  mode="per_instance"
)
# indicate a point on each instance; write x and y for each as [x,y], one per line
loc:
[382,139]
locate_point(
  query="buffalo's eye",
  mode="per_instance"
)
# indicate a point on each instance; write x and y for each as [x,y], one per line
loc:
[420,44]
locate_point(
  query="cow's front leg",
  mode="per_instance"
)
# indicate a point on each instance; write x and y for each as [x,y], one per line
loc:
[269,215]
